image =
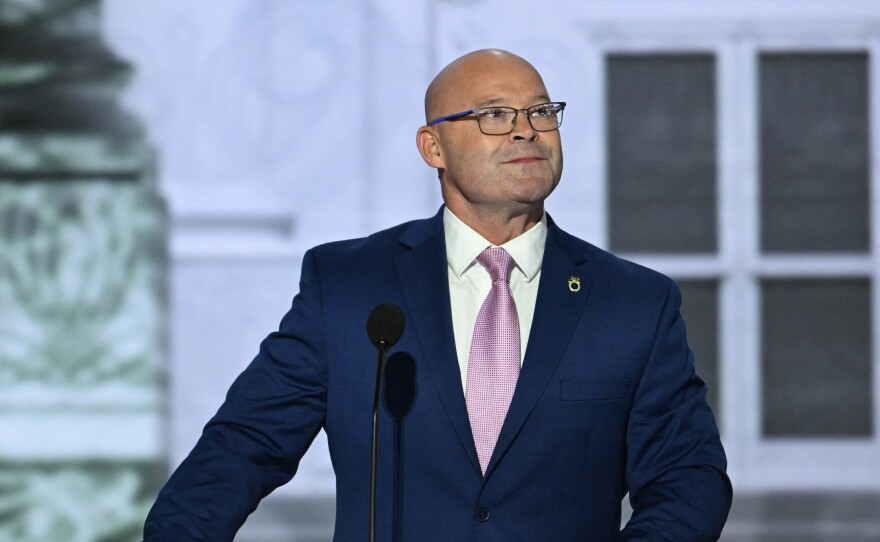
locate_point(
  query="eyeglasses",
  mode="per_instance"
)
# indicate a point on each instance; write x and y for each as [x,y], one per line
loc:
[501,120]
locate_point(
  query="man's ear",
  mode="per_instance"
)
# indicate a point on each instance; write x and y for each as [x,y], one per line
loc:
[429,147]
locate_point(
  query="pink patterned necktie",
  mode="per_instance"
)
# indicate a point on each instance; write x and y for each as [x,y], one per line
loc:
[494,361]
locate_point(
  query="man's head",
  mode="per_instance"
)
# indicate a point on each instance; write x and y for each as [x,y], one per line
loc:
[508,174]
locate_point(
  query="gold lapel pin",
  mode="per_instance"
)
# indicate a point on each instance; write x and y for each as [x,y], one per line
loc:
[574,284]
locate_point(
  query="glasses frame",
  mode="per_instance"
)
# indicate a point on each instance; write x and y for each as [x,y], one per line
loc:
[527,110]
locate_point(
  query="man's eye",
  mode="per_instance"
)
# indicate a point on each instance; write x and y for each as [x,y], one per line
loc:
[495,113]
[544,111]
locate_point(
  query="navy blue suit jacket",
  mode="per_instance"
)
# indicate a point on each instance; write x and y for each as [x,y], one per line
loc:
[607,402]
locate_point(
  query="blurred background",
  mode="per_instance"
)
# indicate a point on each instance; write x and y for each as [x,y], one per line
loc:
[164,165]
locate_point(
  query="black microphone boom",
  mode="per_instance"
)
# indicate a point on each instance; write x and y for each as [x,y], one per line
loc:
[384,327]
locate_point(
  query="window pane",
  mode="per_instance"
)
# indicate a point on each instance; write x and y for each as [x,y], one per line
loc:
[661,153]
[814,152]
[699,307]
[816,346]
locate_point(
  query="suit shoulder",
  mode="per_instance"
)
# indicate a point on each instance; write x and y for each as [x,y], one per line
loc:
[378,244]
[635,271]
[621,272]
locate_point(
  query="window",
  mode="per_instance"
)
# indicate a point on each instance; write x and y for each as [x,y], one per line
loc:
[744,174]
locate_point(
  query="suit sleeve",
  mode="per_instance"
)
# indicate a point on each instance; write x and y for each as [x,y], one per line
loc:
[271,414]
[675,462]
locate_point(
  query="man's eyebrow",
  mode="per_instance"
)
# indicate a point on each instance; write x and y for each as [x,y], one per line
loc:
[490,101]
[494,101]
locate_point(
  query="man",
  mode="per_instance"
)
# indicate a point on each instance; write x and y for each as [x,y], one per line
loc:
[552,377]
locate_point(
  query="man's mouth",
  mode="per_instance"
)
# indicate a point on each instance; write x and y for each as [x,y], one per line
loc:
[525,160]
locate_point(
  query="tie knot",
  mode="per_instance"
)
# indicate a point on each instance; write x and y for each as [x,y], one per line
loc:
[498,262]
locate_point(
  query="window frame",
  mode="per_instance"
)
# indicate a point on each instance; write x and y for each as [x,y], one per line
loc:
[758,462]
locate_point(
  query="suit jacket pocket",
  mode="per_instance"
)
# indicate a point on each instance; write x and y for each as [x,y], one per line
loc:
[593,389]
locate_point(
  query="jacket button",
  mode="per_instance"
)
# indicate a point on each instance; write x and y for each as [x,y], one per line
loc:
[482,514]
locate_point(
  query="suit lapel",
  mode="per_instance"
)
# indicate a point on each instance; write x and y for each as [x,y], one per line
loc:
[557,313]
[423,278]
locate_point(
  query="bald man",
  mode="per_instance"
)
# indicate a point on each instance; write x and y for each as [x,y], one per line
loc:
[552,377]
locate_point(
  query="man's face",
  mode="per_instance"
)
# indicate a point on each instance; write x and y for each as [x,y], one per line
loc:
[501,172]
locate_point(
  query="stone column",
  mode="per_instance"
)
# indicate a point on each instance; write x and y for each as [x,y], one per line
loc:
[82,285]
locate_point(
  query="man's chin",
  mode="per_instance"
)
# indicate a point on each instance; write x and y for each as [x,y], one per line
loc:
[533,190]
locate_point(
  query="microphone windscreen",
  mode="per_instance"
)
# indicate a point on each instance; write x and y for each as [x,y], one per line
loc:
[385,324]
[400,384]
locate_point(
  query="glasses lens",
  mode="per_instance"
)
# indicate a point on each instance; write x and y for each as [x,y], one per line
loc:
[545,117]
[496,120]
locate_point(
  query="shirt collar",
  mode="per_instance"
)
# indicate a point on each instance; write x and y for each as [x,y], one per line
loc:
[463,245]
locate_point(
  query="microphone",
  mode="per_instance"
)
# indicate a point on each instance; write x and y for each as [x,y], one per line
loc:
[384,327]
[400,391]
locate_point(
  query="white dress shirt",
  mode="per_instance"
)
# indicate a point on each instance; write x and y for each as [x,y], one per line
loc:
[469,282]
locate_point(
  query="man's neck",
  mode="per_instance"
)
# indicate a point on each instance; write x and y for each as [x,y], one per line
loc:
[498,226]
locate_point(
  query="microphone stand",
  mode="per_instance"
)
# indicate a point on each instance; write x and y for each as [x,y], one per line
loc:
[383,352]
[384,327]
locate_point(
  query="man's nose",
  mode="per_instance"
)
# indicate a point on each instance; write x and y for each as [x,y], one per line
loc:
[522,128]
